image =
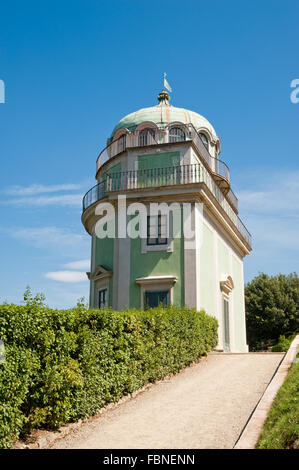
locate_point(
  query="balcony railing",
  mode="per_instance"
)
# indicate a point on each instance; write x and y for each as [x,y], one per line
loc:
[124,142]
[159,177]
[141,139]
[232,198]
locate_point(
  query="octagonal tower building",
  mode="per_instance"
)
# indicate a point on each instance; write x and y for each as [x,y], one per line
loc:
[165,154]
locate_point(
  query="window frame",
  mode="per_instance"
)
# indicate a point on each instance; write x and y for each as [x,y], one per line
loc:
[121,143]
[105,300]
[143,136]
[178,136]
[204,139]
[158,240]
[156,292]
[156,283]
[226,322]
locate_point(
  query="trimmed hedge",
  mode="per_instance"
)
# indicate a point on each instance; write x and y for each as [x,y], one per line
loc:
[62,365]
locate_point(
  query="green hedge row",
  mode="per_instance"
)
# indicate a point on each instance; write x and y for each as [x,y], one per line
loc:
[61,365]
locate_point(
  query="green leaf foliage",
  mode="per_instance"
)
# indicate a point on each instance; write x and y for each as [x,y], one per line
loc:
[272,309]
[282,345]
[62,365]
[281,430]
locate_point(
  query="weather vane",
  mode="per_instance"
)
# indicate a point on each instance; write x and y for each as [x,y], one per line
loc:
[166,84]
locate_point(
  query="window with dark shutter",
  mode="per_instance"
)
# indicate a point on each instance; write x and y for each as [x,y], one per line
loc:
[156,298]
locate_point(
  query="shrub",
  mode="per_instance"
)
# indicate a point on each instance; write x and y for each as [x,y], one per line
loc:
[282,345]
[62,365]
[15,380]
[272,309]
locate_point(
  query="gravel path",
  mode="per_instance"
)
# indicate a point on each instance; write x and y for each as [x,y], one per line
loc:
[205,406]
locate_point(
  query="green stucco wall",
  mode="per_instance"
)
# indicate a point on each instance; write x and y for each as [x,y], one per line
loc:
[104,257]
[105,246]
[114,169]
[158,160]
[157,263]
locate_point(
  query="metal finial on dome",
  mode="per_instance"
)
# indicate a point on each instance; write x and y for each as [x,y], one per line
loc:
[163,97]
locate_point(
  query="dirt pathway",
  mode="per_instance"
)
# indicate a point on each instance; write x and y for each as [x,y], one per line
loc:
[205,406]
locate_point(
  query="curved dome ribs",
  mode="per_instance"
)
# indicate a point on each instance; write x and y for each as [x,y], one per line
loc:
[164,114]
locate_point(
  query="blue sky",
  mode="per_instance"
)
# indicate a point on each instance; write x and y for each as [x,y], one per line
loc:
[73,68]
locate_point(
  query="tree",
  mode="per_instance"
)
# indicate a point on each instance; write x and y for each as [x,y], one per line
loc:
[272,308]
[38,299]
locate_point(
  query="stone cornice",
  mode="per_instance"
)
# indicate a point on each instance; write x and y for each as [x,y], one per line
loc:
[99,273]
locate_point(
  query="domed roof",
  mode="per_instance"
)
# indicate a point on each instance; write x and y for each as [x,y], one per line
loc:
[163,114]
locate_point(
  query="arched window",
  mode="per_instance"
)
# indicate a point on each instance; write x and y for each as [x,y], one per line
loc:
[215,152]
[176,134]
[146,137]
[204,140]
[121,143]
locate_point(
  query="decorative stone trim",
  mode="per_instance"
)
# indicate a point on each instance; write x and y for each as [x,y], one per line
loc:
[146,125]
[156,280]
[208,134]
[156,283]
[146,248]
[99,273]
[227,285]
[120,132]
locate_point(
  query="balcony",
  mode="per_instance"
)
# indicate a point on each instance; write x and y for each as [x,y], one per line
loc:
[162,177]
[216,167]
